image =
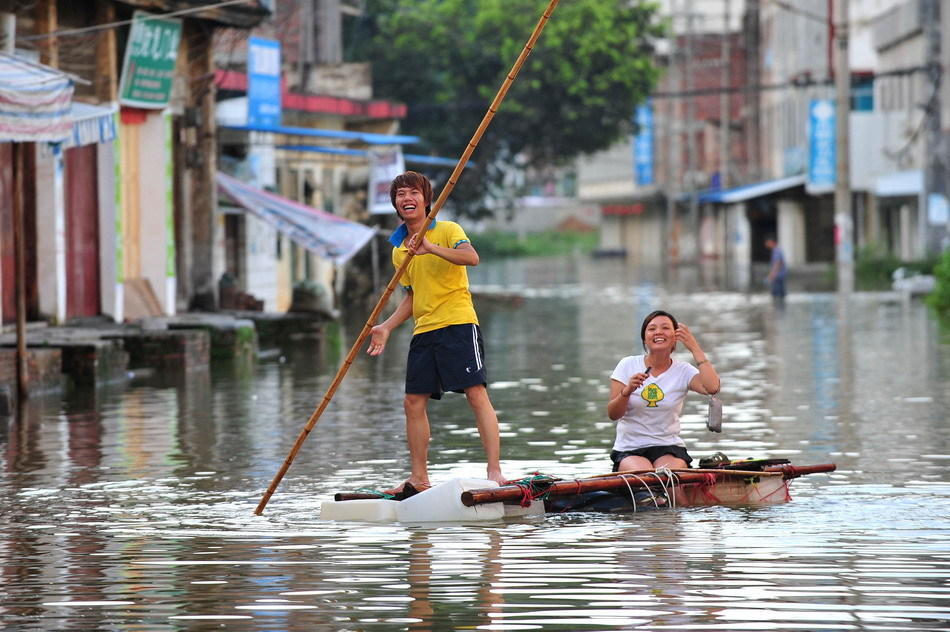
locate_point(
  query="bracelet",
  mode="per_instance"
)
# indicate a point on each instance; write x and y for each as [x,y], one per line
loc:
[701,361]
[628,395]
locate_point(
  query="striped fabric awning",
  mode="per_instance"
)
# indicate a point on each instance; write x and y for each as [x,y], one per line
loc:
[319,232]
[34,101]
[91,124]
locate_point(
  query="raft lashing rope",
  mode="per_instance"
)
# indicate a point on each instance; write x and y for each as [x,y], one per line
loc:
[646,491]
[761,483]
[533,487]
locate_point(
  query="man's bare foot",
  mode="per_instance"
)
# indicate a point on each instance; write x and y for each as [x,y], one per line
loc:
[498,477]
[408,488]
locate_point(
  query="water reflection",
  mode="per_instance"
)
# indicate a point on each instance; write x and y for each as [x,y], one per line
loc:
[131,507]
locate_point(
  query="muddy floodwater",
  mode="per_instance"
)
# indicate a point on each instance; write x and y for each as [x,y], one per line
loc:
[132,507]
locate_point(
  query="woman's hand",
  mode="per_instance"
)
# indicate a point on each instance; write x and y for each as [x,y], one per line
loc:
[684,335]
[635,382]
[620,394]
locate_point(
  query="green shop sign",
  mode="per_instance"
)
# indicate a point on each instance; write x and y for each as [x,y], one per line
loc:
[149,64]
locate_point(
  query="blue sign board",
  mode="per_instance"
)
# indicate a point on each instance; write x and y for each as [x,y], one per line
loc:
[263,82]
[643,145]
[822,141]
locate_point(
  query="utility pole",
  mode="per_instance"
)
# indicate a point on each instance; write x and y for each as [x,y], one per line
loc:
[691,138]
[752,102]
[725,112]
[844,228]
[673,141]
[931,238]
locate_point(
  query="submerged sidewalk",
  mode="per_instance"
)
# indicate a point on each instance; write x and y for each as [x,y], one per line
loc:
[98,351]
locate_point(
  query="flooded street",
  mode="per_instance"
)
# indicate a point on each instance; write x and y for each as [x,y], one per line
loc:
[131,507]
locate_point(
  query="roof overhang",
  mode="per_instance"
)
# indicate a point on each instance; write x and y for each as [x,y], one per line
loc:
[243,14]
[899,184]
[752,191]
[421,159]
[369,138]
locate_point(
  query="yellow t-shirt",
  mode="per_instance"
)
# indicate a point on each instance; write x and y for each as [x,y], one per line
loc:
[440,295]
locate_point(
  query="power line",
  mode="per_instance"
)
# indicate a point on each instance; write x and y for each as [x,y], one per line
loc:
[787,6]
[112,25]
[801,83]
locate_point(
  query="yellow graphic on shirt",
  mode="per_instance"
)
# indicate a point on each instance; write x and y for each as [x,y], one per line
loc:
[652,394]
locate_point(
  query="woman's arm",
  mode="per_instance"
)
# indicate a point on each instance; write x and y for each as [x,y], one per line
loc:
[707,381]
[621,393]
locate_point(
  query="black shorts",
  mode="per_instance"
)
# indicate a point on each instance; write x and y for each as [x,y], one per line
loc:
[651,453]
[447,359]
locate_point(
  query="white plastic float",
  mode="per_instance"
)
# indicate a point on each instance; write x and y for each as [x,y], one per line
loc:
[439,503]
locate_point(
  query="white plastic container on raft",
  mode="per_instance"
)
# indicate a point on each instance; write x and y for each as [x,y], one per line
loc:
[443,503]
[362,510]
[440,503]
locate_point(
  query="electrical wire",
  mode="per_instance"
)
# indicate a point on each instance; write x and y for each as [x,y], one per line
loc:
[810,83]
[112,25]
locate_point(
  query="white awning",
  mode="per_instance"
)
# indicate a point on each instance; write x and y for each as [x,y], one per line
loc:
[34,101]
[320,232]
[899,183]
[92,124]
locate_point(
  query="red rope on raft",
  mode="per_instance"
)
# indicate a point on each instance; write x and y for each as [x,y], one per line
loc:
[530,492]
[706,487]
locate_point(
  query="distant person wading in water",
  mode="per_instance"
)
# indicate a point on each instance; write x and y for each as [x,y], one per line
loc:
[777,269]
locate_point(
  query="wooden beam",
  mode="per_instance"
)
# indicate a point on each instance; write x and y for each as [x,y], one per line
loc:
[107,67]
[47,21]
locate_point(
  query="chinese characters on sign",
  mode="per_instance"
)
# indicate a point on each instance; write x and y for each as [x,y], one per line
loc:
[822,163]
[643,145]
[149,65]
[263,83]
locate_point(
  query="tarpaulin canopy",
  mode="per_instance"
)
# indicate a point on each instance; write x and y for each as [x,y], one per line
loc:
[319,232]
[34,101]
[91,124]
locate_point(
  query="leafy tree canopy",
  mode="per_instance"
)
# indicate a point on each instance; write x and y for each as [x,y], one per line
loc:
[447,59]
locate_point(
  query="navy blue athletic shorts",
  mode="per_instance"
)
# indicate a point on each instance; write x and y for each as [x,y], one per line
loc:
[447,359]
[651,453]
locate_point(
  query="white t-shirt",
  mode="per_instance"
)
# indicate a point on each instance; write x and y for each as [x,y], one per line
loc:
[653,411]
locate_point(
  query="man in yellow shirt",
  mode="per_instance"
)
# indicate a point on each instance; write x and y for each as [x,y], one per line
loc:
[446,352]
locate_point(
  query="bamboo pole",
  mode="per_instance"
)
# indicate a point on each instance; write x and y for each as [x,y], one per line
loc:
[493,108]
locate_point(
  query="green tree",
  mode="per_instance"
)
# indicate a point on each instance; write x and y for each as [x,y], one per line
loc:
[575,94]
[939,299]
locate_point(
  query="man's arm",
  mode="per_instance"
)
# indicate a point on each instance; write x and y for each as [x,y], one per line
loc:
[462,255]
[380,333]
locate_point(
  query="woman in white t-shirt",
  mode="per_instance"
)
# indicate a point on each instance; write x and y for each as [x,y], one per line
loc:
[647,394]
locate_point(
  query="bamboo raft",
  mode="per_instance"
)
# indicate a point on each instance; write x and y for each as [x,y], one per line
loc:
[630,491]
[738,483]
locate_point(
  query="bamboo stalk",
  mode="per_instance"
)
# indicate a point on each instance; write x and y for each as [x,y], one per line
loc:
[374,316]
